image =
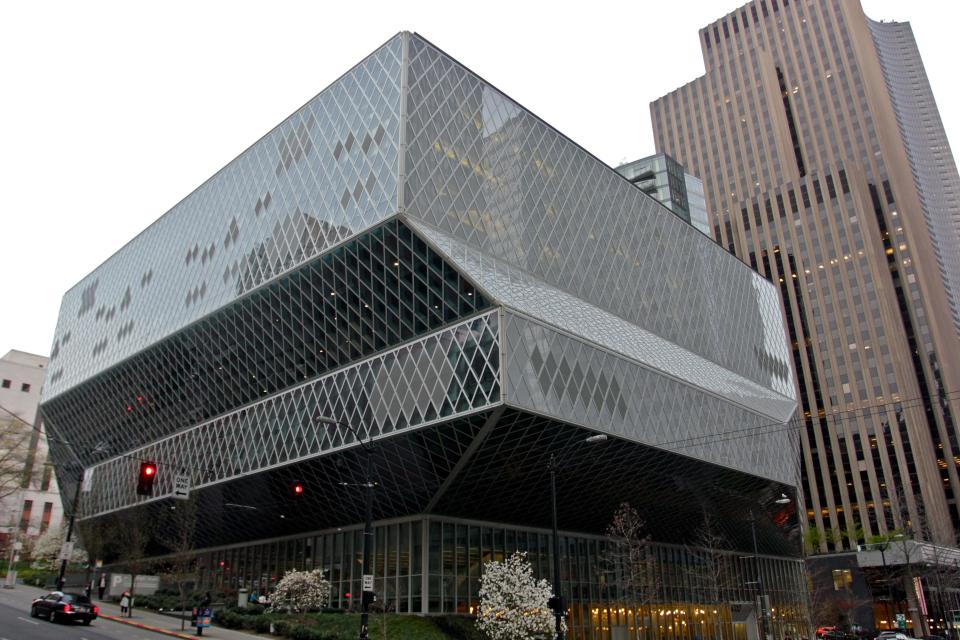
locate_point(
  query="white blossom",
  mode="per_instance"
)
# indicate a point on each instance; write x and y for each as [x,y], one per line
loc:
[46,550]
[300,591]
[513,605]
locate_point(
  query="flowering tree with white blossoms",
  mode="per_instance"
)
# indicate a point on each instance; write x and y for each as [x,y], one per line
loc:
[46,550]
[300,591]
[513,605]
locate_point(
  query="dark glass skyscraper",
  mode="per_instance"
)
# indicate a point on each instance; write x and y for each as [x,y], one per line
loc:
[826,167]
[665,180]
[414,254]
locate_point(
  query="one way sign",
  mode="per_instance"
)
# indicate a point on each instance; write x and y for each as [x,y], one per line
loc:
[181,487]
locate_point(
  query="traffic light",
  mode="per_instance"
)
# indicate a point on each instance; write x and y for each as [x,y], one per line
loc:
[297,489]
[148,473]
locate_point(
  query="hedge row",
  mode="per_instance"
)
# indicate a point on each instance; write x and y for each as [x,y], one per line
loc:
[337,625]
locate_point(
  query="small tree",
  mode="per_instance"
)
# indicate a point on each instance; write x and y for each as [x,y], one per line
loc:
[179,537]
[14,449]
[301,591]
[131,536]
[513,605]
[629,558]
[711,568]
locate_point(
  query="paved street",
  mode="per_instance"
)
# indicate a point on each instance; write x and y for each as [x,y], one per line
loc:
[16,623]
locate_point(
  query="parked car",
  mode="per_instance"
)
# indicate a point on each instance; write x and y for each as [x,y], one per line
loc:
[822,631]
[839,635]
[64,607]
[893,635]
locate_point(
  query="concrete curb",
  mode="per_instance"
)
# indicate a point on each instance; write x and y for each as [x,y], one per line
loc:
[147,627]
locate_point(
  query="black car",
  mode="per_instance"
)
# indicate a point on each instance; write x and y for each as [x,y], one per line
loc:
[64,607]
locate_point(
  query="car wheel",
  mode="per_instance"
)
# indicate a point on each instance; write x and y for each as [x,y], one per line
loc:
[54,618]
[86,621]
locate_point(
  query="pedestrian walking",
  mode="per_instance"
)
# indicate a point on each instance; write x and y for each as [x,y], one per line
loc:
[102,586]
[125,603]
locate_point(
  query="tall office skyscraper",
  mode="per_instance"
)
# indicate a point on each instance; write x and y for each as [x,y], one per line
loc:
[826,167]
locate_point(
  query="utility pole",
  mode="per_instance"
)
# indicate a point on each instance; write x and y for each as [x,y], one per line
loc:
[558,605]
[556,602]
[761,603]
[366,591]
[61,580]
[366,588]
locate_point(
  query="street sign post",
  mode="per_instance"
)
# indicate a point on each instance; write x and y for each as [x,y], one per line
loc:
[86,485]
[66,551]
[367,582]
[181,487]
[901,621]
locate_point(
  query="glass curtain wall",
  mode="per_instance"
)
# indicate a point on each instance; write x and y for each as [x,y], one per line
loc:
[434,566]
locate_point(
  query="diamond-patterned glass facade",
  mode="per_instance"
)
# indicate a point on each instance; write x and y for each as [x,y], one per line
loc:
[365,295]
[416,255]
[532,296]
[484,170]
[554,374]
[322,175]
[440,377]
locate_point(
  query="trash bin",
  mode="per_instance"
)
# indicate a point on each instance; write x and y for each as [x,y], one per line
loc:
[242,598]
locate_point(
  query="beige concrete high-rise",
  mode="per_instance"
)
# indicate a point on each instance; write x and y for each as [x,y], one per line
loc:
[826,167]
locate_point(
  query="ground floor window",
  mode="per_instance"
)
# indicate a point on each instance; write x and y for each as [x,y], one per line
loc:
[431,565]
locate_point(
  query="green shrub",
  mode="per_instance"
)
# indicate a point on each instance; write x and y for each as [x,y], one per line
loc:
[338,625]
[459,627]
[259,623]
[229,619]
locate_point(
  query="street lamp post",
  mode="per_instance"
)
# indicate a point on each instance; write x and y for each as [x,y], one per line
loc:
[100,447]
[762,618]
[559,607]
[761,596]
[886,578]
[366,591]
[558,604]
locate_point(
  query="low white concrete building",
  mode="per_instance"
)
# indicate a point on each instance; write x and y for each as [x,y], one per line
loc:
[29,497]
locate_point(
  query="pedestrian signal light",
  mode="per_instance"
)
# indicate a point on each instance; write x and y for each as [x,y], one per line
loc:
[148,473]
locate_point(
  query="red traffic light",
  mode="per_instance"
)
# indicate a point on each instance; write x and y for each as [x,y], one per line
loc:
[298,489]
[148,473]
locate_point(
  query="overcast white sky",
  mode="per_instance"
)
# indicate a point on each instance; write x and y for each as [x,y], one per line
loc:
[111,112]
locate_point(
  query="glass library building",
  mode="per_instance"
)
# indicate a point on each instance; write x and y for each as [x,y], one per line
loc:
[413,271]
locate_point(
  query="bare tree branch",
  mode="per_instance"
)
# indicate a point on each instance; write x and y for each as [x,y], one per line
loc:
[630,566]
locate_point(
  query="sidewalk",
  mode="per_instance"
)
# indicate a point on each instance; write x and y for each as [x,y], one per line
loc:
[168,625]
